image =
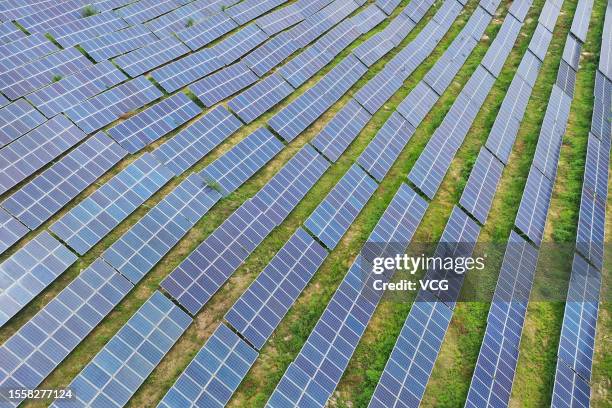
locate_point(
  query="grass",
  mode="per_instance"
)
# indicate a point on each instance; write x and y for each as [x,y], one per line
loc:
[89,11]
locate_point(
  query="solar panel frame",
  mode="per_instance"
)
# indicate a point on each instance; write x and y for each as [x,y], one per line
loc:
[148,125]
[258,99]
[18,118]
[223,84]
[38,200]
[93,218]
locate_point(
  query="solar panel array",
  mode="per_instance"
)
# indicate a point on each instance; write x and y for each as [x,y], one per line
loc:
[148,125]
[263,305]
[383,150]
[86,224]
[108,106]
[214,374]
[243,160]
[41,344]
[18,118]
[191,144]
[314,374]
[496,365]
[35,149]
[76,88]
[336,213]
[35,202]
[11,230]
[113,376]
[29,270]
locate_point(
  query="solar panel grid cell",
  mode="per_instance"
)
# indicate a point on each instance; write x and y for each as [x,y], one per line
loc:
[187,69]
[151,55]
[571,52]
[38,200]
[605,57]
[566,79]
[548,15]
[11,230]
[388,6]
[529,68]
[22,51]
[570,391]
[531,216]
[253,102]
[271,53]
[417,104]
[147,126]
[519,9]
[279,20]
[601,125]
[591,229]
[86,28]
[224,83]
[207,31]
[503,43]
[9,32]
[119,42]
[248,10]
[145,10]
[86,224]
[444,70]
[240,43]
[322,21]
[18,118]
[540,41]
[368,19]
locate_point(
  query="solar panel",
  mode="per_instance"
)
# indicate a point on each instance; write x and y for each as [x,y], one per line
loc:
[492,379]
[368,19]
[240,43]
[548,149]
[9,32]
[285,17]
[30,270]
[11,230]
[150,239]
[344,127]
[76,88]
[119,42]
[18,118]
[52,14]
[417,104]
[566,78]
[571,51]
[570,390]
[110,105]
[248,10]
[38,200]
[222,84]
[207,31]
[388,6]
[36,74]
[145,10]
[187,69]
[405,377]
[39,346]
[501,46]
[540,41]
[214,374]
[113,376]
[417,10]
[3,101]
[383,150]
[148,125]
[548,15]
[605,57]
[151,56]
[288,187]
[531,217]
[490,5]
[270,54]
[481,186]
[301,68]
[206,269]
[577,342]
[376,47]
[444,70]
[519,9]
[86,224]
[529,68]
[337,39]
[601,123]
[24,50]
[591,228]
[596,168]
[477,24]
[259,310]
[35,149]
[324,20]
[194,142]
[304,110]
[336,213]
[83,29]
[243,160]
[255,101]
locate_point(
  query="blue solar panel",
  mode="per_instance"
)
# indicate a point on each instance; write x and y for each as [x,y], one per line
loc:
[222,84]
[368,19]
[323,20]
[605,58]
[500,48]
[253,102]
[214,374]
[304,110]
[299,69]
[3,101]
[495,368]
[22,51]
[76,88]
[29,270]
[240,43]
[591,228]
[203,272]
[187,69]
[519,9]
[601,125]
[191,144]
[388,6]
[87,223]
[248,10]
[344,127]
[154,122]
[39,19]
[39,346]
[529,68]
[480,189]
[540,42]
[110,105]
[35,149]
[336,213]
[531,216]
[418,103]
[243,160]
[443,72]
[595,182]
[285,17]
[83,29]
[477,24]
[570,390]
[271,53]
[571,52]
[124,363]
[150,239]
[145,10]
[288,187]
[207,31]
[383,150]
[11,230]
[18,118]
[548,15]
[259,310]
[38,200]
[117,43]
[150,56]
[36,74]
[9,32]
